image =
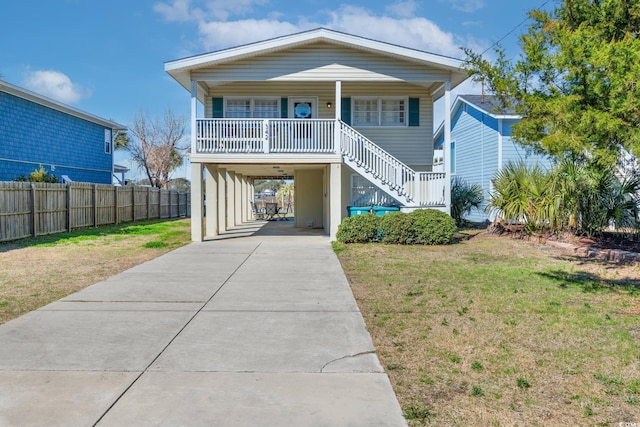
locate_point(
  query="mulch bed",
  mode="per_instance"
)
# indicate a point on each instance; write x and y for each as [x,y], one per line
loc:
[613,247]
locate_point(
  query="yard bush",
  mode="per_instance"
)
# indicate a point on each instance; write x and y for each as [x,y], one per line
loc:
[464,197]
[359,229]
[396,228]
[432,227]
[423,227]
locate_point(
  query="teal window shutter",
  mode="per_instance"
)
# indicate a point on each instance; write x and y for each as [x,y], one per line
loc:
[284,108]
[217,105]
[414,111]
[345,107]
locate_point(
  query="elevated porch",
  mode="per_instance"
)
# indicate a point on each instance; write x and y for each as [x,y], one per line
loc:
[314,141]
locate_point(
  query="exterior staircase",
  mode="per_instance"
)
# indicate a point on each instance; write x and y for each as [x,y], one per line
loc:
[408,187]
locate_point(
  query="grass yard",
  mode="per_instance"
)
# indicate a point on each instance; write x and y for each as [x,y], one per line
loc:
[500,332]
[35,272]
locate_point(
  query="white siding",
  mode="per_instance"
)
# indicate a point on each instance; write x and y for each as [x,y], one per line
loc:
[322,62]
[411,145]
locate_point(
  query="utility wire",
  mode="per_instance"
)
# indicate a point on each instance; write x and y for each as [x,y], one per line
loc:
[514,28]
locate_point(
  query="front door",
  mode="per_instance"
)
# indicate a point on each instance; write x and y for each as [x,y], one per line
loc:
[303,108]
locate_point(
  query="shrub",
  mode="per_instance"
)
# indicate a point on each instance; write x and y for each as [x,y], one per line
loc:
[396,228]
[358,229]
[39,175]
[431,227]
[464,197]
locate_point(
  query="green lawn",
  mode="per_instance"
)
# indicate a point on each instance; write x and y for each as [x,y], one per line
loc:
[35,272]
[496,331]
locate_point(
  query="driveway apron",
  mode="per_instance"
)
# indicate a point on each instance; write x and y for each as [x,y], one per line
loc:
[255,328]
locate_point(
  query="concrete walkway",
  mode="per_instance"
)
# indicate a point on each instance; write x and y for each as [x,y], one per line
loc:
[260,330]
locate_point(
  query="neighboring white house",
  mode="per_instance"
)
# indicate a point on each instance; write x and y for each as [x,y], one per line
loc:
[481,145]
[322,107]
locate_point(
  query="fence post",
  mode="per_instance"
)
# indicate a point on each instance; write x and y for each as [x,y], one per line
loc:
[133,203]
[148,202]
[95,205]
[115,204]
[159,203]
[32,193]
[69,208]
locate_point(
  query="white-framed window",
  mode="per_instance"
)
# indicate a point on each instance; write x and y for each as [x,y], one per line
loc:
[107,141]
[380,111]
[244,108]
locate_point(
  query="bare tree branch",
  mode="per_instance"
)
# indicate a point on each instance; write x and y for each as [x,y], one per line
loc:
[157,147]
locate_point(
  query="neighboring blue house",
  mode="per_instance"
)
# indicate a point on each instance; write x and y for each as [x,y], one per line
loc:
[69,143]
[481,145]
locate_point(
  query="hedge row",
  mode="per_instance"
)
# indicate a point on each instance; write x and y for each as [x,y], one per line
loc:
[420,227]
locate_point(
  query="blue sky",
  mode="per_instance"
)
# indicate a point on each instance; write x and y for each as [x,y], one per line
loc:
[107,57]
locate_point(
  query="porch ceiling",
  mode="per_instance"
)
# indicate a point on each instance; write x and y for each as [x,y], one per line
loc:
[268,171]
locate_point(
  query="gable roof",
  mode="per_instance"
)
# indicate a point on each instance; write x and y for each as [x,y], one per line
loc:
[487,104]
[181,69]
[55,105]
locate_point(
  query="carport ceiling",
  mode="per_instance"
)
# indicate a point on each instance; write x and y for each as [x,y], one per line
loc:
[268,171]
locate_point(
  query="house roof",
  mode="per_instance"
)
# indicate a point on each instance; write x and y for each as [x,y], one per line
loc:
[181,69]
[487,104]
[50,103]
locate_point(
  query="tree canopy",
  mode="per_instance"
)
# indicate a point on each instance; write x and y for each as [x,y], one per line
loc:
[576,83]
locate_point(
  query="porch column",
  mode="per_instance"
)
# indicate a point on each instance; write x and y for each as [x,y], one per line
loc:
[211,191]
[231,199]
[447,146]
[194,114]
[197,203]
[238,197]
[335,198]
[222,200]
[338,110]
[252,197]
[248,198]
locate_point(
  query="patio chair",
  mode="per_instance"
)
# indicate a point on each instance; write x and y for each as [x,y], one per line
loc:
[271,211]
[257,212]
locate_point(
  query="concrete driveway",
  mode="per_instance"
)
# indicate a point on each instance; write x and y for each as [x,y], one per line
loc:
[256,328]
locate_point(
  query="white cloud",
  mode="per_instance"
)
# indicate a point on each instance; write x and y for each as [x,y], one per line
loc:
[178,11]
[185,10]
[416,32]
[398,25]
[403,9]
[56,85]
[467,6]
[219,34]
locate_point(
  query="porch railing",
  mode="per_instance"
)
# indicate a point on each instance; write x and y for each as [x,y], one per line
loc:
[265,136]
[219,136]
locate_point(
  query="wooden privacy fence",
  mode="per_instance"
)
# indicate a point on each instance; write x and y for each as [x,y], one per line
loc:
[33,209]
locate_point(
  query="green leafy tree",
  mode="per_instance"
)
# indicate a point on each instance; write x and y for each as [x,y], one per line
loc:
[268,184]
[576,83]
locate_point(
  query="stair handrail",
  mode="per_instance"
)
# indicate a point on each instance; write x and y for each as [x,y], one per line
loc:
[388,168]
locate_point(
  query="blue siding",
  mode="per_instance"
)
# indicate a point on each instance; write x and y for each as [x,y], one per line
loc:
[32,134]
[514,152]
[476,137]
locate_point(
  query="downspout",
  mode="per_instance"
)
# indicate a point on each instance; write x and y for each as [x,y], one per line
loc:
[447,146]
[194,110]
[499,144]
[338,110]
